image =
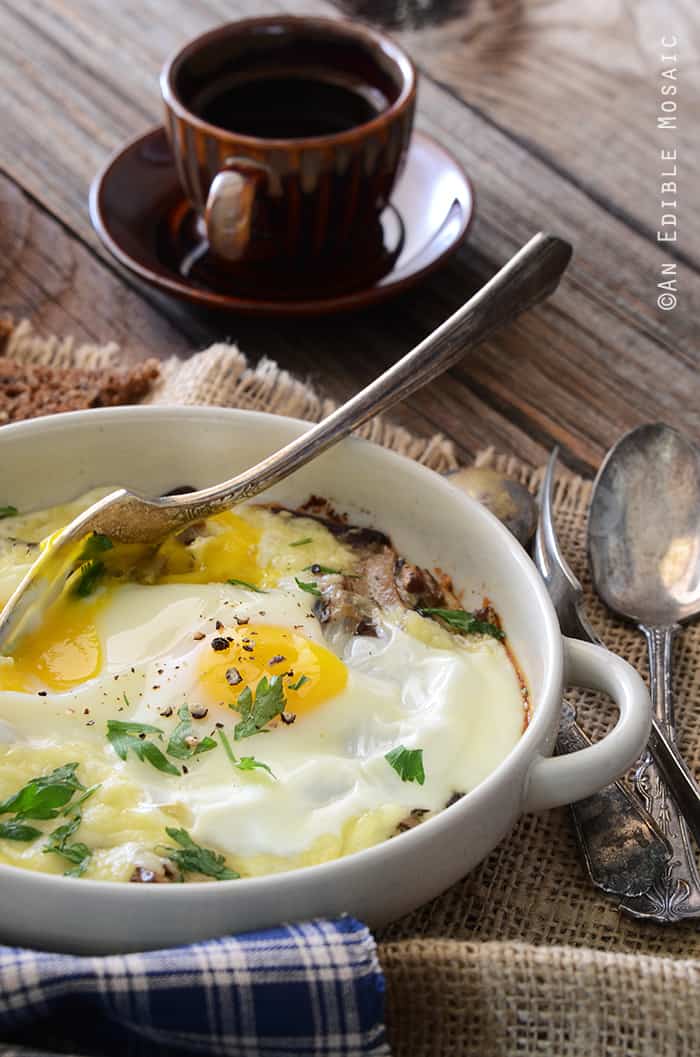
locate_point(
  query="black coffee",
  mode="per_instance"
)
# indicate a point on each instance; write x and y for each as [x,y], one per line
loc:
[287,106]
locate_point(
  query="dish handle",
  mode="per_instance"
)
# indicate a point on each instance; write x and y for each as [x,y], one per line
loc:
[556,780]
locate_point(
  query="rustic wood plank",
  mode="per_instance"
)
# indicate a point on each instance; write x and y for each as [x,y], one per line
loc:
[47,274]
[579,85]
[597,359]
[72,292]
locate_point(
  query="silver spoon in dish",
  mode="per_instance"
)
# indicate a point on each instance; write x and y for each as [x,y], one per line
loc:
[644,549]
[127,517]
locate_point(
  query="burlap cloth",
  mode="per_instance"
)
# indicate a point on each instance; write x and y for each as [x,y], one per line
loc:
[523,957]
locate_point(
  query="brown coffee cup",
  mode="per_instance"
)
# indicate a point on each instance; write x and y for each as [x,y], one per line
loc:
[288,134]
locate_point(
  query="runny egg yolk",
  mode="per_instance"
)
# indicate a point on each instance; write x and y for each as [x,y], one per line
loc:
[62,653]
[228,552]
[311,673]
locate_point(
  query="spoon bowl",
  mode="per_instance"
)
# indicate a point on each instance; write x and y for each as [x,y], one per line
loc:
[644,549]
[644,527]
[509,500]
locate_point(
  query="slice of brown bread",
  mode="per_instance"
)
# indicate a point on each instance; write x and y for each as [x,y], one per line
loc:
[29,390]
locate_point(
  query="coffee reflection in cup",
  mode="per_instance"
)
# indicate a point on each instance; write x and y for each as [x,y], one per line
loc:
[288,134]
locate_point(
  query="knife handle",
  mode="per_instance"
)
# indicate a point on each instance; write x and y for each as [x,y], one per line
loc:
[624,851]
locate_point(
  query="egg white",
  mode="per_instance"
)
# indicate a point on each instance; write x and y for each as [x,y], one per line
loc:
[333,789]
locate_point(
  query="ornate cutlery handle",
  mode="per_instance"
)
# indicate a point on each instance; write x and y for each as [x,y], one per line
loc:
[660,645]
[677,893]
[623,850]
[678,778]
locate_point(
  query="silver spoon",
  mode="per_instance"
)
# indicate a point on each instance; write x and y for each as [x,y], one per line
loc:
[623,850]
[619,843]
[644,548]
[124,516]
[509,500]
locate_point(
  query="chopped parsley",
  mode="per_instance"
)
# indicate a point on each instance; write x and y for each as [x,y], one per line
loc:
[244,583]
[124,736]
[299,683]
[246,763]
[8,511]
[301,542]
[76,853]
[256,712]
[47,797]
[249,763]
[191,858]
[311,588]
[17,830]
[183,744]
[408,764]
[44,797]
[92,568]
[227,747]
[95,545]
[465,622]
[76,804]
[87,578]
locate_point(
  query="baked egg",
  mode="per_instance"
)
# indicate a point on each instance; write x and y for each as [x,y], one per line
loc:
[272,689]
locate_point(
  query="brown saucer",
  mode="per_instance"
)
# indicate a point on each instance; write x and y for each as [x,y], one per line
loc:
[139,211]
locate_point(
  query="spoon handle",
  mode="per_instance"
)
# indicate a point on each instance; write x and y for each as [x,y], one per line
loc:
[676,895]
[660,646]
[528,277]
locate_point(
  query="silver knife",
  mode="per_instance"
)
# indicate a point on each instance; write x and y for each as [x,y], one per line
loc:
[624,851]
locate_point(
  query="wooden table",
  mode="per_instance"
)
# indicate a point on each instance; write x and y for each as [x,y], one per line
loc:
[552,109]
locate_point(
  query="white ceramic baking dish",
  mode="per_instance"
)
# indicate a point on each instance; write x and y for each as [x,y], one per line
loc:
[157,448]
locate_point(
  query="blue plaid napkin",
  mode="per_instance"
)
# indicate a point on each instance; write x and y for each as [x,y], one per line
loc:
[309,990]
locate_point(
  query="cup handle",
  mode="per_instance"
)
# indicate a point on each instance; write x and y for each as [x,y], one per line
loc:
[556,780]
[229,210]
